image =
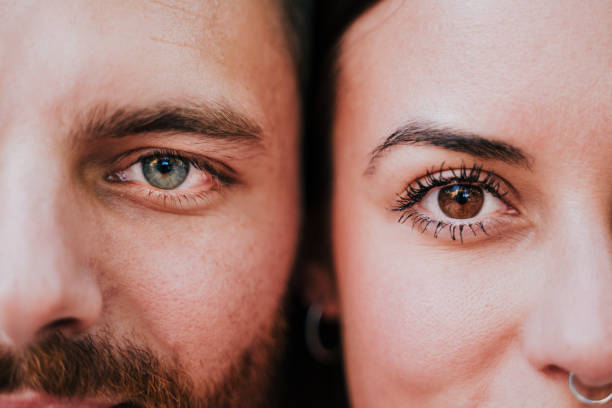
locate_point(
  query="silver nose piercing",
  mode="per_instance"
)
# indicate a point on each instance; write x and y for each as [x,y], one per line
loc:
[583,399]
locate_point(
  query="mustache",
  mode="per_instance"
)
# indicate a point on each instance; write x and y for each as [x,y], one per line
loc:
[95,367]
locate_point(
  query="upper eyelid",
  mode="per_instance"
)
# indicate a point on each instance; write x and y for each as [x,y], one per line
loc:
[483,171]
[226,176]
[434,172]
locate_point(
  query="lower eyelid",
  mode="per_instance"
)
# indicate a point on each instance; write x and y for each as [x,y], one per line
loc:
[179,201]
[189,199]
[481,227]
[463,232]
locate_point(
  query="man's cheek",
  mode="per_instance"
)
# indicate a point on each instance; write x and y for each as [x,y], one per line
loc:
[183,289]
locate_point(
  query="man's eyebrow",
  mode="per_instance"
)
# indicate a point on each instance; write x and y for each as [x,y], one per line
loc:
[211,121]
[426,134]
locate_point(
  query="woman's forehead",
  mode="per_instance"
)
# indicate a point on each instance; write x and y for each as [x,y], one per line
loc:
[482,43]
[485,67]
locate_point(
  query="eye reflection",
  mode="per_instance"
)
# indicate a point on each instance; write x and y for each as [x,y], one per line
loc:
[461,201]
[165,172]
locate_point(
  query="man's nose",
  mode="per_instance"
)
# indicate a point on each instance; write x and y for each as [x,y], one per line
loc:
[45,284]
[570,326]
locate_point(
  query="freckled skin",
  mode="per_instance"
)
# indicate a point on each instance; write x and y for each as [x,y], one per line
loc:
[500,320]
[199,289]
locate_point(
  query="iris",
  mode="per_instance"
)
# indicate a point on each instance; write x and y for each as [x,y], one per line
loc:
[165,172]
[461,201]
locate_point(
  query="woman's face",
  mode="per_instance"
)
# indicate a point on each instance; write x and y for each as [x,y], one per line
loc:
[472,207]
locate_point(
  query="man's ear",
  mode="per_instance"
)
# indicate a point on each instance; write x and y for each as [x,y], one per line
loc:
[318,287]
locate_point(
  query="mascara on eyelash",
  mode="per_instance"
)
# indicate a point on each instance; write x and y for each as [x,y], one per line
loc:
[421,222]
[464,175]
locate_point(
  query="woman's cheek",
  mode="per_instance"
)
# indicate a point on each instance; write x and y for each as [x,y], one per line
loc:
[418,318]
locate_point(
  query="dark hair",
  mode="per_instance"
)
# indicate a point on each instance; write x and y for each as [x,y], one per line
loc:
[310,383]
[296,16]
[331,19]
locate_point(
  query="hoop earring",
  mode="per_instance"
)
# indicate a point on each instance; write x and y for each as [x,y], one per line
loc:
[312,332]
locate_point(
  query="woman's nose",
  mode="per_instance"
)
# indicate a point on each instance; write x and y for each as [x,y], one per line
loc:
[570,325]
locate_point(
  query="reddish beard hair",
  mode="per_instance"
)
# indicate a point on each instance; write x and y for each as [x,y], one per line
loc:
[97,367]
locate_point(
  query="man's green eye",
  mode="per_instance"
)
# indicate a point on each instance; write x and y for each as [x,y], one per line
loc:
[165,172]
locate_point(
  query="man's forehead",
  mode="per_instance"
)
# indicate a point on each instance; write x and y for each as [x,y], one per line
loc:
[201,11]
[137,50]
[204,24]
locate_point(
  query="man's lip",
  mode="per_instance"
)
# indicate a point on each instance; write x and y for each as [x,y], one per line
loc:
[32,399]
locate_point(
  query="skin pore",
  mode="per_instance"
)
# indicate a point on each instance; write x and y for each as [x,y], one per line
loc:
[492,308]
[186,282]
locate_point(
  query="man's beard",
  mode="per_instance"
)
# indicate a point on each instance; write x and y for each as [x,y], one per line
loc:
[94,367]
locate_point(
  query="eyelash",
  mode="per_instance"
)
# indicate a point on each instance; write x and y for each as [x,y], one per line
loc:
[434,178]
[174,199]
[198,162]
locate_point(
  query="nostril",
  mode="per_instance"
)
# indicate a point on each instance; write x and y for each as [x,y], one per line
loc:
[555,372]
[65,324]
[7,370]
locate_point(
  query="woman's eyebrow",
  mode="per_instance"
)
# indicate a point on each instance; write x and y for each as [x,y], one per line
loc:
[208,121]
[427,134]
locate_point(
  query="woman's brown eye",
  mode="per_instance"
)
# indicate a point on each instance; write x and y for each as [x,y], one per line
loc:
[461,201]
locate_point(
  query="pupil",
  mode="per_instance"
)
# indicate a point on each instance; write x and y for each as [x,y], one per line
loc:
[164,166]
[462,195]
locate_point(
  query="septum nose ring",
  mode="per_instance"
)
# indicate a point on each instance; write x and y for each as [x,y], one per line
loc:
[583,399]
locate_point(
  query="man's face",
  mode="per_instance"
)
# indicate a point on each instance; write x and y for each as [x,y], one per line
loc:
[150,205]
